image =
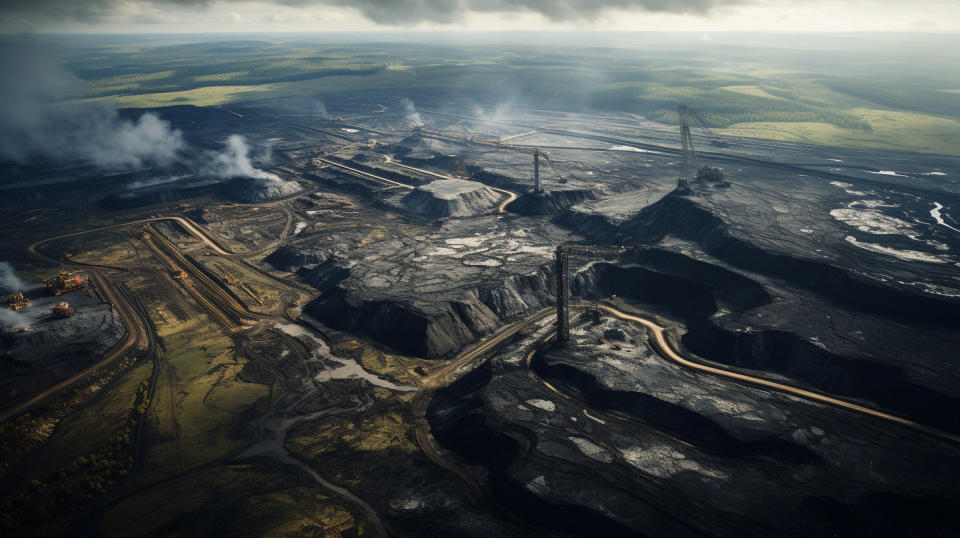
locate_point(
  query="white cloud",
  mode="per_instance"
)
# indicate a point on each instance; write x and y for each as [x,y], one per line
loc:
[708,16]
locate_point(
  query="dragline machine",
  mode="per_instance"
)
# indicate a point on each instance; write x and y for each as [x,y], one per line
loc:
[690,163]
[537,153]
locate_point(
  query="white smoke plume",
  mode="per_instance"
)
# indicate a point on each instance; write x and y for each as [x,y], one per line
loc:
[410,112]
[41,117]
[9,281]
[234,161]
[10,319]
[502,112]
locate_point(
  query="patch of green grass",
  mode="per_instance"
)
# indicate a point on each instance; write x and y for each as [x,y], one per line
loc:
[888,129]
[221,76]
[198,396]
[747,95]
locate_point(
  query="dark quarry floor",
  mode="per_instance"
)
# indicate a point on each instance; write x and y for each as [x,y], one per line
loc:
[832,270]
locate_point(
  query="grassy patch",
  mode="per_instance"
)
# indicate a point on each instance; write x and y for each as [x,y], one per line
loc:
[204,96]
[888,129]
[397,368]
[198,396]
[221,76]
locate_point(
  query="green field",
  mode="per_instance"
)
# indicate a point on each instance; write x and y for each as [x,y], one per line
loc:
[912,106]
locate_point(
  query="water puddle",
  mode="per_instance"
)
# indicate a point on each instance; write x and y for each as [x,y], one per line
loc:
[348,369]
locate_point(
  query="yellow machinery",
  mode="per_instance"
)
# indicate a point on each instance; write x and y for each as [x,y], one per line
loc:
[17,301]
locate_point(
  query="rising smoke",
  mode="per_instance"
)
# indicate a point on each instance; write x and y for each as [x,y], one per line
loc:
[234,161]
[10,319]
[410,113]
[40,117]
[9,281]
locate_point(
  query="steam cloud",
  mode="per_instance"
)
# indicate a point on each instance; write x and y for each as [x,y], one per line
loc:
[234,161]
[410,112]
[33,125]
[38,120]
[9,281]
[387,12]
[10,319]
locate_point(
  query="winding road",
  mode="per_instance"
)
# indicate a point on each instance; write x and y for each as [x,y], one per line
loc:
[186,223]
[133,336]
[662,346]
[476,354]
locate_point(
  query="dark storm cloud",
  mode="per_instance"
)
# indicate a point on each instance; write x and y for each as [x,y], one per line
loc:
[389,12]
[77,10]
[413,11]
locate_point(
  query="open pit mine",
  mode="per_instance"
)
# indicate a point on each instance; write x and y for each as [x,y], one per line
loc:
[545,324]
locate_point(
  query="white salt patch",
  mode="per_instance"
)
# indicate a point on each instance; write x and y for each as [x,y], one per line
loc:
[934,289]
[546,405]
[886,173]
[484,262]
[530,249]
[664,462]
[593,418]
[836,160]
[806,230]
[938,216]
[466,241]
[442,251]
[591,450]
[628,148]
[910,255]
[934,174]
[871,203]
[344,129]
[299,227]
[872,221]
[846,188]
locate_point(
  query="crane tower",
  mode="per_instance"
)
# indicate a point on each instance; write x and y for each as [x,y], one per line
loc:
[562,269]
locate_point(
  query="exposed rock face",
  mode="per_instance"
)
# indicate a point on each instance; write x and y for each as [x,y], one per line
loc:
[452,198]
[551,202]
[289,258]
[431,293]
[426,328]
[580,463]
[845,279]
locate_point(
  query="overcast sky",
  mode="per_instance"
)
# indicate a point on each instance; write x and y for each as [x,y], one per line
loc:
[199,16]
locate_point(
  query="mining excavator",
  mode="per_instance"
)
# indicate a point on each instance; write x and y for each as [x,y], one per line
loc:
[17,301]
[61,310]
[65,281]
